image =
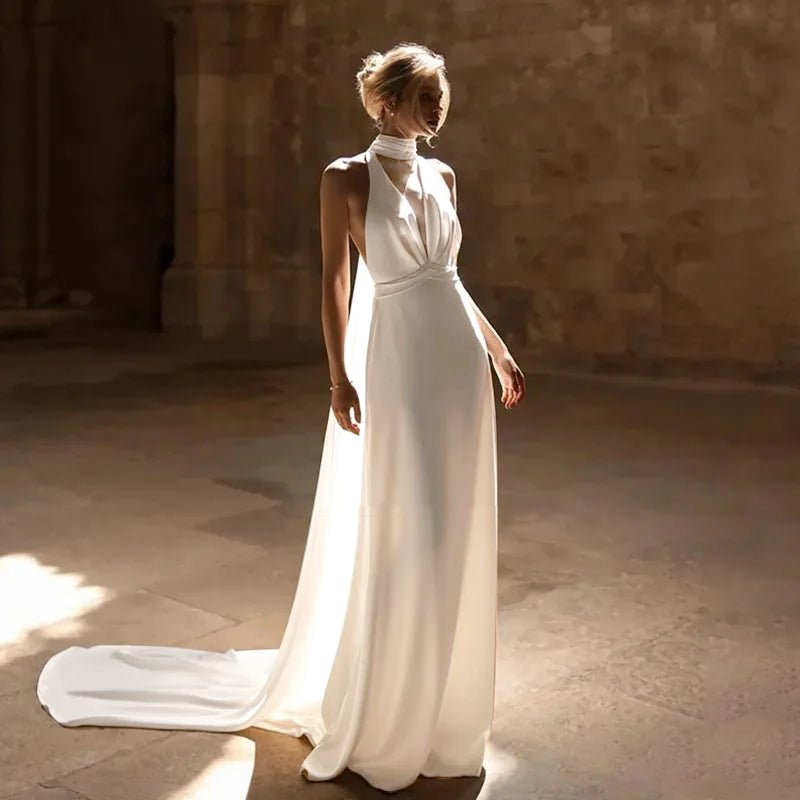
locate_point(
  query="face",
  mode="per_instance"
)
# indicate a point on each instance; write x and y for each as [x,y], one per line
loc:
[431,92]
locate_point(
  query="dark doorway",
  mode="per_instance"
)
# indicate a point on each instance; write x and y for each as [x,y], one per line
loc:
[111,154]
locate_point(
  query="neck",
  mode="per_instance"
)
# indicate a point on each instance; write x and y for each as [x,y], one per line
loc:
[394,146]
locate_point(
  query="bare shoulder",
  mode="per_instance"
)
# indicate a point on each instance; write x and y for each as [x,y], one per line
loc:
[342,173]
[445,170]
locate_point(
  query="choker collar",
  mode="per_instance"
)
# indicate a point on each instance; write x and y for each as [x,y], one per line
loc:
[394,147]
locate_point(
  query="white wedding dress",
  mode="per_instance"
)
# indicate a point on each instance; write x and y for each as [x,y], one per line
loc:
[387,663]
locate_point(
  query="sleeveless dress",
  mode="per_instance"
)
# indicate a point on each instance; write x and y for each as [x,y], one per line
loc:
[387,663]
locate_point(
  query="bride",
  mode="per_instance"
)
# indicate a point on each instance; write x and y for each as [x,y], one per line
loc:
[387,663]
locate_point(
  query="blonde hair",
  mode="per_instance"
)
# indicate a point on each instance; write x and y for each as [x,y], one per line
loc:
[397,74]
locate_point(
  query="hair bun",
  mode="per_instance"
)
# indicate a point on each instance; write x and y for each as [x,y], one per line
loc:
[369,65]
[387,78]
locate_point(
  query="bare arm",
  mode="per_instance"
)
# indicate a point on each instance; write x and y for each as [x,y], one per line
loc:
[335,266]
[510,375]
[494,344]
[334,233]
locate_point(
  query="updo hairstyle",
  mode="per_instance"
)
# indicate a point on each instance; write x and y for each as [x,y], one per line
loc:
[396,75]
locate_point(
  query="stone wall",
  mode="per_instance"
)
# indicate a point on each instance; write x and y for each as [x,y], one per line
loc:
[232,185]
[110,143]
[18,244]
[628,180]
[86,138]
[627,176]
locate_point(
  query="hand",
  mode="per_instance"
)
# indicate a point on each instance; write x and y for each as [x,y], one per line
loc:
[511,379]
[343,399]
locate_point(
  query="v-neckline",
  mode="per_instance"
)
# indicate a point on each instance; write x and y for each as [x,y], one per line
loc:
[402,195]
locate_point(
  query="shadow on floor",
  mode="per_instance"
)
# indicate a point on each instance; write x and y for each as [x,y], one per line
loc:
[276,774]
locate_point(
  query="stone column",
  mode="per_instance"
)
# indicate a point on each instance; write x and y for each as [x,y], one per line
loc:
[222,55]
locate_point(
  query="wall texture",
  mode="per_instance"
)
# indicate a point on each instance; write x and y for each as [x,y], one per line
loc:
[628,180]
[110,132]
[86,125]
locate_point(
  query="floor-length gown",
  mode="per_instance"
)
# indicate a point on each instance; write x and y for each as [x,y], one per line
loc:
[387,663]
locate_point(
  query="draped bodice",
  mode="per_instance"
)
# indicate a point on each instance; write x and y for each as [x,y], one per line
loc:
[396,246]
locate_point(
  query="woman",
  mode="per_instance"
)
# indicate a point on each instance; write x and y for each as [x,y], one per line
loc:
[388,657]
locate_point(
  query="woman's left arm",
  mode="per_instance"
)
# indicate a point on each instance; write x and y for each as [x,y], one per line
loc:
[508,372]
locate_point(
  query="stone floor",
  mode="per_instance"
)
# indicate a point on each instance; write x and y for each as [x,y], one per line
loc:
[159,493]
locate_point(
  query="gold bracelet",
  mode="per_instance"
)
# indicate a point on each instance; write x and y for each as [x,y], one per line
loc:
[337,385]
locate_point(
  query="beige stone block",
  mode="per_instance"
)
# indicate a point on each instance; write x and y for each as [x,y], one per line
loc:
[47,793]
[259,190]
[704,35]
[212,238]
[183,766]
[144,550]
[186,235]
[37,749]
[744,13]
[587,723]
[598,37]
[512,193]
[754,345]
[257,252]
[240,591]
[649,15]
[586,271]
[707,677]
[215,59]
[509,46]
[258,90]
[212,23]
[186,186]
[273,21]
[285,295]
[592,335]
[263,632]
[695,342]
[259,312]
[140,617]
[179,305]
[222,302]
[185,50]
[720,292]
[186,107]
[617,189]
[211,184]
[237,235]
[248,98]
[256,57]
[465,54]
[211,115]
[626,306]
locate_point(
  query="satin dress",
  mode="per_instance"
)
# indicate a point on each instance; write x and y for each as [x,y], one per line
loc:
[387,663]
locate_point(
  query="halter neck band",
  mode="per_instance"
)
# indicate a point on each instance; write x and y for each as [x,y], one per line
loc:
[394,147]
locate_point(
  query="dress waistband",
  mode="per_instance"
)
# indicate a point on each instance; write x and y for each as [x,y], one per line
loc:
[429,269]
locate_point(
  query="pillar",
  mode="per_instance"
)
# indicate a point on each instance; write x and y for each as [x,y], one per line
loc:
[222,68]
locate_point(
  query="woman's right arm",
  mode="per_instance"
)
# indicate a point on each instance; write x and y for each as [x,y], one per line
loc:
[334,233]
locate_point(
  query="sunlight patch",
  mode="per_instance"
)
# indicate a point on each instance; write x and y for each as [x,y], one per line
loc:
[38,601]
[228,775]
[500,765]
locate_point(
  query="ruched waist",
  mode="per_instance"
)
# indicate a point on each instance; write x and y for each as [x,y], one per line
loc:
[428,270]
